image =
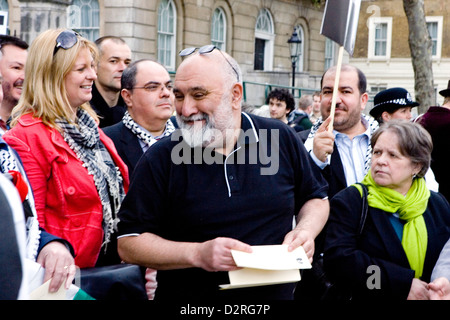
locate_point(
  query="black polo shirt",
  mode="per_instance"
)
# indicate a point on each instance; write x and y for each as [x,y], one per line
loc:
[195,195]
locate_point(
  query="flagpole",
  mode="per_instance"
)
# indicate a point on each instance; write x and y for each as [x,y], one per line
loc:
[336,87]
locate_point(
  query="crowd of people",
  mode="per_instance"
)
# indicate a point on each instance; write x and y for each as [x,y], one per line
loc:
[109,162]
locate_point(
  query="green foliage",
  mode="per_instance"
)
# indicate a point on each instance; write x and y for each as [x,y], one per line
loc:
[317,3]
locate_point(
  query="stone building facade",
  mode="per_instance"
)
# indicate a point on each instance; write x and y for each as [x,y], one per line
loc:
[247,29]
[244,25]
[382,49]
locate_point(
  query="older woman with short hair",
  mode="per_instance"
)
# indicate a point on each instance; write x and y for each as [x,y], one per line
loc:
[406,226]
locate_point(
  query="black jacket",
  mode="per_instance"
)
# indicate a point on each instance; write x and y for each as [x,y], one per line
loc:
[333,173]
[351,261]
[107,115]
[126,143]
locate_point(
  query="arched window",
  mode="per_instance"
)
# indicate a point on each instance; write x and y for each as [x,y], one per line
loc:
[166,33]
[264,22]
[264,41]
[219,29]
[301,35]
[84,17]
[4,8]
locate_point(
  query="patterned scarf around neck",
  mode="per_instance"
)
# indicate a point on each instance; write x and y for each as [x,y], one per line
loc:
[84,140]
[148,139]
[410,209]
[8,162]
[373,125]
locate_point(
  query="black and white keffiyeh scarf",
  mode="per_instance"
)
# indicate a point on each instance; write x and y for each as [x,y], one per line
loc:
[7,163]
[83,138]
[373,125]
[148,139]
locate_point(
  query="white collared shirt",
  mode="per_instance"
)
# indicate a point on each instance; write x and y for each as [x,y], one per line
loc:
[352,153]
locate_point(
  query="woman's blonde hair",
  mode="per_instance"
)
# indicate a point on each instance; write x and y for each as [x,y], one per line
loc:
[44,92]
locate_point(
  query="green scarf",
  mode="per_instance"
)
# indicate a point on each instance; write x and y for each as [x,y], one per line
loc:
[410,208]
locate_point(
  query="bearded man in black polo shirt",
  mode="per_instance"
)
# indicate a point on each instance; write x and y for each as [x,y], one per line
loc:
[225,180]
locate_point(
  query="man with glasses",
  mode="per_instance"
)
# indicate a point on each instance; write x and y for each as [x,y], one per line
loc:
[115,56]
[209,189]
[147,92]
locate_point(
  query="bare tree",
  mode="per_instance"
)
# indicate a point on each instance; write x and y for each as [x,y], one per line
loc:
[420,47]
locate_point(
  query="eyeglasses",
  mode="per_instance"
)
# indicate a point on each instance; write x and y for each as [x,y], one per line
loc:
[207,49]
[66,40]
[155,86]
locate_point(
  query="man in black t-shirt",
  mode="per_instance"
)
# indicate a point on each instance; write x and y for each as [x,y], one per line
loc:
[226,180]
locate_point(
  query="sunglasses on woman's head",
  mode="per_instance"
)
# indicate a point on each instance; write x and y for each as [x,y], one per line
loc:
[66,40]
[207,49]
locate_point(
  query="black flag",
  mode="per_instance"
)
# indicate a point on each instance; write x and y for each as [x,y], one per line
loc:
[340,22]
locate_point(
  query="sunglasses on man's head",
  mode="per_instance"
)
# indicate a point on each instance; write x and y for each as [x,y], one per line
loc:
[66,40]
[207,49]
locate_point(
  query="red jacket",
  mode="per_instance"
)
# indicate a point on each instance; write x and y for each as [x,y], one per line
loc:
[67,201]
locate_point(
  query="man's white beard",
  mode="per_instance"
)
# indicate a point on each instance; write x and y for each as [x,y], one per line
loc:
[197,134]
[213,133]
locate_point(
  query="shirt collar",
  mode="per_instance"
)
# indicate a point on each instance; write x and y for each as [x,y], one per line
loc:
[249,134]
[366,133]
[148,132]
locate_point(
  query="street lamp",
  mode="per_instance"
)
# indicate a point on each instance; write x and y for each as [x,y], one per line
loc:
[295,48]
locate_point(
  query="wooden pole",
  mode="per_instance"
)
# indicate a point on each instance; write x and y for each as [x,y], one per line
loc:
[336,87]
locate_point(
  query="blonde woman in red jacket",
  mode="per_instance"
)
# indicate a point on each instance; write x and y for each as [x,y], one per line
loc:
[77,177]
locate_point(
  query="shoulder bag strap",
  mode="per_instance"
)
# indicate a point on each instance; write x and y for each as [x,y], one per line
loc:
[365,208]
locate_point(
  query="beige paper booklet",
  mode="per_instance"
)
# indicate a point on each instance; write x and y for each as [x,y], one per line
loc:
[267,265]
[41,293]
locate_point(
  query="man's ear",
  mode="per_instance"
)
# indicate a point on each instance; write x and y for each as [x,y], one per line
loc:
[126,95]
[364,100]
[237,94]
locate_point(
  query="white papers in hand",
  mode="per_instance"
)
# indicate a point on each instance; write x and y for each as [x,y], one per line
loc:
[267,265]
[273,257]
